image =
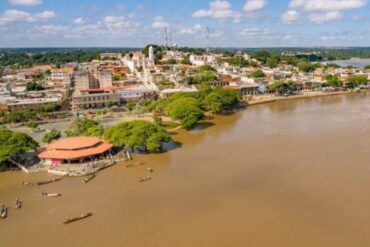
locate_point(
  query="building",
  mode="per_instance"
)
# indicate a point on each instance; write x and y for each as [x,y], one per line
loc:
[168,92]
[74,149]
[59,75]
[105,78]
[202,60]
[134,94]
[82,80]
[94,98]
[29,103]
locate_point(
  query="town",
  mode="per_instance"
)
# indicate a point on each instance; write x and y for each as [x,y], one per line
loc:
[165,85]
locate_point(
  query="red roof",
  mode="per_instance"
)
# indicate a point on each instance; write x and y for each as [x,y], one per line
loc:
[73,143]
[75,148]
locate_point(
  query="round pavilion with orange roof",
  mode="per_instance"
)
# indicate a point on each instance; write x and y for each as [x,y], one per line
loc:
[73,149]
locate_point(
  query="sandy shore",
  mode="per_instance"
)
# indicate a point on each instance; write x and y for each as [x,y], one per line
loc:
[256,100]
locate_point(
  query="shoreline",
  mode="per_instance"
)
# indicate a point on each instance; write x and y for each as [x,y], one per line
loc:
[258,100]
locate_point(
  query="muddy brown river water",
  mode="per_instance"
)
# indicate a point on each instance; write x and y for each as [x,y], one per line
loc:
[293,173]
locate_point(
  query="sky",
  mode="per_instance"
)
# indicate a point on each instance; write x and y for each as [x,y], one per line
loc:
[232,23]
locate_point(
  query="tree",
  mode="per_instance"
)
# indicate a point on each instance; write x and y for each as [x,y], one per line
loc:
[51,136]
[130,106]
[306,67]
[356,80]
[18,116]
[206,67]
[186,61]
[367,67]
[201,77]
[85,127]
[186,110]
[221,99]
[257,74]
[32,125]
[333,81]
[34,86]
[51,107]
[14,143]
[281,87]
[171,61]
[138,134]
[273,61]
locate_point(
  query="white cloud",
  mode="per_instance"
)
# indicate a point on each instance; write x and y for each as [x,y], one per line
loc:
[25,2]
[159,23]
[192,30]
[14,15]
[79,21]
[290,16]
[254,5]
[255,33]
[218,9]
[327,5]
[321,11]
[115,22]
[319,18]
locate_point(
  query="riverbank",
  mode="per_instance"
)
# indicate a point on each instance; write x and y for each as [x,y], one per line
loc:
[256,100]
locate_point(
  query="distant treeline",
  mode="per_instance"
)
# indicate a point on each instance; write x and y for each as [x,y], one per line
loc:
[28,57]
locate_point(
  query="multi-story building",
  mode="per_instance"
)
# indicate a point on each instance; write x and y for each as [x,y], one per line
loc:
[82,80]
[94,98]
[105,78]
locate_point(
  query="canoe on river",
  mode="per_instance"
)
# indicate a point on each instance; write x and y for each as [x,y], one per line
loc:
[81,217]
[50,194]
[49,181]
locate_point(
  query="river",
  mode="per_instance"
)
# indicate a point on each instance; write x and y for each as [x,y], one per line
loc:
[290,173]
[355,62]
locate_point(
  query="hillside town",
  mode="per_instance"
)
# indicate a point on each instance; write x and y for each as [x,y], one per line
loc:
[117,79]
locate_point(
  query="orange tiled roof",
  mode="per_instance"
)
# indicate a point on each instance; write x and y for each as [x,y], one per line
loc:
[75,148]
[73,143]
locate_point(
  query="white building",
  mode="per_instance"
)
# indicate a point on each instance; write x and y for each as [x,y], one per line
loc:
[202,60]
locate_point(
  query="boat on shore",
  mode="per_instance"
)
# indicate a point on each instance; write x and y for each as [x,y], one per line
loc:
[89,178]
[74,219]
[3,212]
[50,194]
[49,181]
[144,179]
[18,204]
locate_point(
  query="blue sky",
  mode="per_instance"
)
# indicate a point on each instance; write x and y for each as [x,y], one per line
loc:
[232,23]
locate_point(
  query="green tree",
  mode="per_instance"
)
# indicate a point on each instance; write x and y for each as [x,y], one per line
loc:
[14,143]
[306,67]
[186,110]
[18,116]
[130,106]
[138,134]
[221,99]
[281,87]
[257,74]
[34,86]
[273,61]
[206,67]
[84,127]
[32,125]
[356,80]
[367,67]
[171,61]
[51,136]
[333,81]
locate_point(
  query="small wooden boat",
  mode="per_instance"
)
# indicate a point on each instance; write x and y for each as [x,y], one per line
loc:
[89,178]
[18,204]
[50,194]
[81,217]
[150,170]
[4,212]
[140,163]
[144,179]
[49,181]
[26,183]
